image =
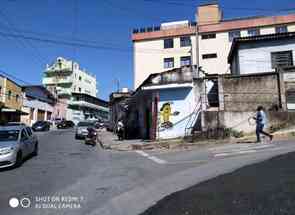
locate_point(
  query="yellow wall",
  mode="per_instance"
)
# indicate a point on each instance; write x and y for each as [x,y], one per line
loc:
[13,103]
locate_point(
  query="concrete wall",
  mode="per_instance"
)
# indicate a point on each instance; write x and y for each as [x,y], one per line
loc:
[241,121]
[256,58]
[245,93]
[182,103]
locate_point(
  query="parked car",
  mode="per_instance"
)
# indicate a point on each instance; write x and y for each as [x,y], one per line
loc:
[41,126]
[81,130]
[65,124]
[16,143]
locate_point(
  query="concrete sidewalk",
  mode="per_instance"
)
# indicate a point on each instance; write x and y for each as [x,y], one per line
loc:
[110,141]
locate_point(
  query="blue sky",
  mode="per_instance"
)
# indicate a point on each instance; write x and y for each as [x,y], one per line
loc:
[108,23]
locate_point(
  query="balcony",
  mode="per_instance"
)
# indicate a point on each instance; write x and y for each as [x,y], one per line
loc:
[64,91]
[57,80]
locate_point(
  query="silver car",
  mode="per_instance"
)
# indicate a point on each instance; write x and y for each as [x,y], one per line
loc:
[81,129]
[16,143]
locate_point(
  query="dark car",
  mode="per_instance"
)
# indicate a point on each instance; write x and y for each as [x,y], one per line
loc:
[65,124]
[41,126]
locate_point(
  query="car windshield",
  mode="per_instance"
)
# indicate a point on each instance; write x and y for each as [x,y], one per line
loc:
[10,135]
[39,123]
[85,124]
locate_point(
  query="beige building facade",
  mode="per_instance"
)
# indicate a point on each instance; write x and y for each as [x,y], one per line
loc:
[158,49]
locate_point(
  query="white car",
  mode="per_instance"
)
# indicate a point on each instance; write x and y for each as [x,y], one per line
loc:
[81,129]
[16,143]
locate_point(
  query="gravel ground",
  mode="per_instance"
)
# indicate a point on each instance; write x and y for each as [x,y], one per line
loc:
[266,188]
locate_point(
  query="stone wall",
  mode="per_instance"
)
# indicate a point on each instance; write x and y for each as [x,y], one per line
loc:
[245,93]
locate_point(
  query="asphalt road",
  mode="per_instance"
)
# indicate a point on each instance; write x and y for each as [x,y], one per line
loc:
[68,177]
[65,168]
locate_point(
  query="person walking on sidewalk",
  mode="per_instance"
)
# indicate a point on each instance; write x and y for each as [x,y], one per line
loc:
[260,124]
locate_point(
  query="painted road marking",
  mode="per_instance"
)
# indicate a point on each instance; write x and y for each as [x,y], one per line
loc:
[153,158]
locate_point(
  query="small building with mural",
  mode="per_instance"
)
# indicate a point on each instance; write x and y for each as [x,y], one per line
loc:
[163,105]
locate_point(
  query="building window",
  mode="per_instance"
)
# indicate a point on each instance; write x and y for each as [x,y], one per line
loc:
[168,43]
[208,56]
[185,61]
[80,78]
[16,98]
[233,34]
[208,36]
[185,41]
[168,63]
[80,89]
[253,32]
[281,29]
[281,59]
[9,95]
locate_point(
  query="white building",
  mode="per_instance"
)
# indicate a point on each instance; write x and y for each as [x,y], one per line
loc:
[65,77]
[207,43]
[261,54]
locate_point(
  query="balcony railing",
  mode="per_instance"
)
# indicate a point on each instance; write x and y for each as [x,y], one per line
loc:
[156,28]
[57,80]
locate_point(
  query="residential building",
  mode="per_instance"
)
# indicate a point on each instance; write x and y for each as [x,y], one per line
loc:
[38,103]
[86,107]
[65,77]
[264,53]
[11,100]
[157,49]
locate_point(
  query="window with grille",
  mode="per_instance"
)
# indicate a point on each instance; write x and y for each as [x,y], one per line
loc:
[168,63]
[208,36]
[281,59]
[281,29]
[253,32]
[168,43]
[185,61]
[185,41]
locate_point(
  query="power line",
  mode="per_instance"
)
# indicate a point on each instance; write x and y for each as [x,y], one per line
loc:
[11,27]
[85,45]
[226,8]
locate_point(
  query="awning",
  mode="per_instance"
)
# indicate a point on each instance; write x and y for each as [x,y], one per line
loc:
[10,110]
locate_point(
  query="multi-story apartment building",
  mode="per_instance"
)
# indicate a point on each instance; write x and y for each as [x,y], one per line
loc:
[76,92]
[11,100]
[65,77]
[205,43]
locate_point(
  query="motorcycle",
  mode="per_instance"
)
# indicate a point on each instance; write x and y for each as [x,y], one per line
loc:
[91,138]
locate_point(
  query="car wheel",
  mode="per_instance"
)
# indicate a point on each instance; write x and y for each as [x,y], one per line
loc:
[35,152]
[19,159]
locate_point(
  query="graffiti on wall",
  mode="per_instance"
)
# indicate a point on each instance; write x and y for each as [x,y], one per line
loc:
[166,115]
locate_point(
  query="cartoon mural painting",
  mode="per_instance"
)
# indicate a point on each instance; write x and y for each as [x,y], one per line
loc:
[166,113]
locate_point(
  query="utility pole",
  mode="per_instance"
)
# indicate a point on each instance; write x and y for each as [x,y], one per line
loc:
[117,82]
